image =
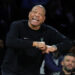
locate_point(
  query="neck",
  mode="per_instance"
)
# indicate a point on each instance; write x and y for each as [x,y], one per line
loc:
[33,27]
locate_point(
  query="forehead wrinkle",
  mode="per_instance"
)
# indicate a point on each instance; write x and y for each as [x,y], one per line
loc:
[35,7]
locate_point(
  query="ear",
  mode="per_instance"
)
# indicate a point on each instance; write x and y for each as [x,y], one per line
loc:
[44,18]
[29,15]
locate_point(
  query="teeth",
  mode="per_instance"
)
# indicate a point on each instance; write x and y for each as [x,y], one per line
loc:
[35,19]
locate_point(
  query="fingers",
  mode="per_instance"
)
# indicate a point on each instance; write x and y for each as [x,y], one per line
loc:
[50,49]
[41,45]
[44,48]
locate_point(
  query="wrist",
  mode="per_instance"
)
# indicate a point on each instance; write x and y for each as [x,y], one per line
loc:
[54,46]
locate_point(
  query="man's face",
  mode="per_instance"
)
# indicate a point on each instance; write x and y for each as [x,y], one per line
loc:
[68,63]
[36,16]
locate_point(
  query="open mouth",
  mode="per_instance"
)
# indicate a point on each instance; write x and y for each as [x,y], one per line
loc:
[35,19]
[69,66]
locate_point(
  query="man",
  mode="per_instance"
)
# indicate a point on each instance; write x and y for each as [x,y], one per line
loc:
[28,41]
[68,64]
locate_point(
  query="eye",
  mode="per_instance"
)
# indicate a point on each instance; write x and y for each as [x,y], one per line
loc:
[41,14]
[34,11]
[67,60]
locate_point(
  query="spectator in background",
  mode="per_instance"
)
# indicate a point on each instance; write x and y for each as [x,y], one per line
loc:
[68,64]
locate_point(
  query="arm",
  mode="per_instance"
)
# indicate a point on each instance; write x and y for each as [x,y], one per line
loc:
[64,43]
[13,40]
[59,40]
[50,65]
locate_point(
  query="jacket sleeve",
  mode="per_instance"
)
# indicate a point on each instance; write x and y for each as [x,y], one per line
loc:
[62,42]
[50,65]
[13,40]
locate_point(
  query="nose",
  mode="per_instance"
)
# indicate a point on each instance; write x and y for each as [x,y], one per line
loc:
[37,14]
[70,62]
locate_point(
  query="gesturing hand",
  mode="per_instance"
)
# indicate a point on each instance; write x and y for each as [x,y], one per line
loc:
[52,48]
[40,45]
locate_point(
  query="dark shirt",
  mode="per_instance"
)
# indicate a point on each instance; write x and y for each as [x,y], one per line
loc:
[21,57]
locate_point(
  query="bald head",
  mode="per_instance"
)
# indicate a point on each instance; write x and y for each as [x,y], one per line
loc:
[43,8]
[36,17]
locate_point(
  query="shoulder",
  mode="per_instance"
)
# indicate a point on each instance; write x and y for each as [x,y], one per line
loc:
[50,28]
[18,23]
